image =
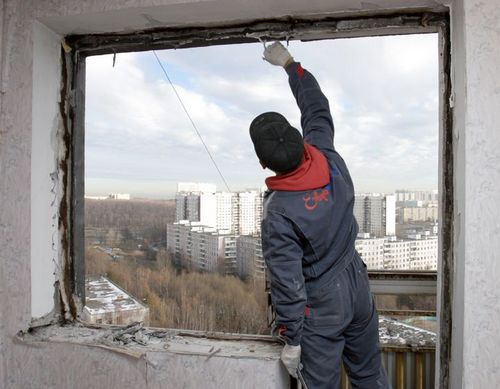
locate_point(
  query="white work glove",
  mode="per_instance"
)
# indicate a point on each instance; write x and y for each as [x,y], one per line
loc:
[290,356]
[277,54]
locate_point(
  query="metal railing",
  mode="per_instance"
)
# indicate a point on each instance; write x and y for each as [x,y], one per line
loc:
[403,282]
[406,368]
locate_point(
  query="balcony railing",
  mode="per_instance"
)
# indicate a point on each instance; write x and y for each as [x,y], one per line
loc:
[409,358]
[410,365]
[406,368]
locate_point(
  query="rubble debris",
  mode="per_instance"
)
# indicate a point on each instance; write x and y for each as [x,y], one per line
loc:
[396,333]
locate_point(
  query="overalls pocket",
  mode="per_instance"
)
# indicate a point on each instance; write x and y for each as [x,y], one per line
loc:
[325,306]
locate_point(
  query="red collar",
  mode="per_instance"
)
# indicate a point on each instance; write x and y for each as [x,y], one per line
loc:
[312,173]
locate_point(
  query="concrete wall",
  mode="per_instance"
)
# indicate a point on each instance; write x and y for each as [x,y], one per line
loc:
[477,120]
[29,35]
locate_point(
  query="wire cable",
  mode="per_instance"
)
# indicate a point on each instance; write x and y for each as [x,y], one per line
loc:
[192,122]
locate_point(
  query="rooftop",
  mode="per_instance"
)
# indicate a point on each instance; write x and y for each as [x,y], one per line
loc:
[103,296]
[394,333]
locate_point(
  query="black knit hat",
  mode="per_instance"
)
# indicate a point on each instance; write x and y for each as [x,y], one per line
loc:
[278,145]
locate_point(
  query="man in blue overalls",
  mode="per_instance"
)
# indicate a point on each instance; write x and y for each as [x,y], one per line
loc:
[319,284]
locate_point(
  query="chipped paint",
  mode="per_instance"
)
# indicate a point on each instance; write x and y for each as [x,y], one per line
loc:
[139,339]
[284,28]
[136,340]
[66,274]
[447,204]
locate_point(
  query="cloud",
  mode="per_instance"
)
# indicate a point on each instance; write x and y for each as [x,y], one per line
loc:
[382,91]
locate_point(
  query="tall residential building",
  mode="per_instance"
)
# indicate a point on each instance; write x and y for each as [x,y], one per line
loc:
[390,215]
[180,206]
[371,250]
[193,207]
[202,248]
[179,240]
[220,210]
[188,202]
[208,210]
[228,253]
[424,196]
[251,262]
[250,212]
[187,206]
[417,214]
[238,213]
[414,252]
[397,254]
[259,208]
[376,214]
[227,211]
[359,212]
[424,251]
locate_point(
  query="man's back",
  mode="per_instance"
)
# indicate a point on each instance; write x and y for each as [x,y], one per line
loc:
[319,284]
[323,220]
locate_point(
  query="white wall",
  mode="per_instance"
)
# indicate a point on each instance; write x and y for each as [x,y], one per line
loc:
[458,32]
[44,180]
[479,182]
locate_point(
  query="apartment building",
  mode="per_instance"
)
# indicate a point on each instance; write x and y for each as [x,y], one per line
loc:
[424,196]
[414,252]
[417,214]
[375,214]
[202,248]
[250,260]
[235,212]
[371,250]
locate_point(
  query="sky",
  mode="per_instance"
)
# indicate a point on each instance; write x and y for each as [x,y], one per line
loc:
[383,94]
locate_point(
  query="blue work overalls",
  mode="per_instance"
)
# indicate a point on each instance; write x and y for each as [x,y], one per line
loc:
[319,284]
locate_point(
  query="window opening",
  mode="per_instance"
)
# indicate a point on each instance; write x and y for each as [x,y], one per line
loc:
[99,46]
[385,110]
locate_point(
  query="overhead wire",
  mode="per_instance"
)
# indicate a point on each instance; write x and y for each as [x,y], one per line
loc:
[192,122]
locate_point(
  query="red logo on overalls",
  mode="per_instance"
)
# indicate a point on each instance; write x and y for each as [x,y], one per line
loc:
[311,200]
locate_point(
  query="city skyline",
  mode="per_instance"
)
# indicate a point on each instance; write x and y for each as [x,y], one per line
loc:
[214,229]
[128,196]
[383,96]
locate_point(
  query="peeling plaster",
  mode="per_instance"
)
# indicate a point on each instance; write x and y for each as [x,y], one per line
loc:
[286,28]
[139,15]
[136,340]
[65,277]
[171,358]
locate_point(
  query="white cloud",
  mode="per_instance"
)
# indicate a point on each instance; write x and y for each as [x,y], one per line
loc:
[382,92]
[408,54]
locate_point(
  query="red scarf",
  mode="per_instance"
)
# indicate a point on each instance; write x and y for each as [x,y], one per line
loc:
[312,173]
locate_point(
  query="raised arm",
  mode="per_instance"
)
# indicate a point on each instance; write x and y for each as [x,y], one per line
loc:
[316,119]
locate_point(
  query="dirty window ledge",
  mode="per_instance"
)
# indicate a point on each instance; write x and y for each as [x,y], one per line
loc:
[136,340]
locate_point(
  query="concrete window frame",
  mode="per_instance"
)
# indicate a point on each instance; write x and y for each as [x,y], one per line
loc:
[70,287]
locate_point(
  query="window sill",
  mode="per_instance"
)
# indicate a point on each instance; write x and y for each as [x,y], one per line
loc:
[137,341]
